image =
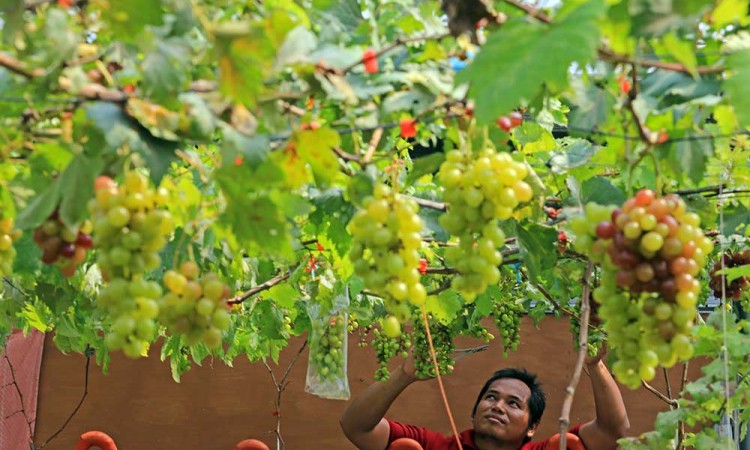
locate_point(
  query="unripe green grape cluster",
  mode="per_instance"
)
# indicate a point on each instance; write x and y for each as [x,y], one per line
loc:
[195,307]
[133,306]
[442,342]
[60,242]
[385,249]
[480,190]
[507,315]
[328,349]
[8,235]
[131,225]
[386,348]
[652,251]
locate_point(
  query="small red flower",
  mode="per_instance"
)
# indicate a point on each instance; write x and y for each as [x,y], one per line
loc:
[370,60]
[663,137]
[562,237]
[238,161]
[313,125]
[129,88]
[624,84]
[516,119]
[320,247]
[65,3]
[408,128]
[423,266]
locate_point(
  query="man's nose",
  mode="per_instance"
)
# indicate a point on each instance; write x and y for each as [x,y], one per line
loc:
[500,405]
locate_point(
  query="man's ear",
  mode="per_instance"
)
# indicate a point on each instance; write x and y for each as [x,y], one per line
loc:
[532,429]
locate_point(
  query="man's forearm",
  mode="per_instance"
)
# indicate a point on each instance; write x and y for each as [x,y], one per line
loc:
[369,407]
[611,416]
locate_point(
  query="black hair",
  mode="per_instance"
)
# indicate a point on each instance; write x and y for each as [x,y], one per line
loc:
[537,400]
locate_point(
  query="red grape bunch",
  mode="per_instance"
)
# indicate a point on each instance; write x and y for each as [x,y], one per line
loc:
[60,242]
[195,307]
[480,190]
[738,286]
[8,235]
[385,251]
[131,225]
[655,250]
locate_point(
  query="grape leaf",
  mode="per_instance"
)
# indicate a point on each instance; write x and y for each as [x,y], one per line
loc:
[284,295]
[128,18]
[77,186]
[40,207]
[537,245]
[601,190]
[241,63]
[444,306]
[521,56]
[691,156]
[738,85]
[315,148]
[592,106]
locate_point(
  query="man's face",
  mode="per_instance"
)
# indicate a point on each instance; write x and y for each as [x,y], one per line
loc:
[503,412]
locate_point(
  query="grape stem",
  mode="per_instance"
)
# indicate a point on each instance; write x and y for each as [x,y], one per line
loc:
[558,306]
[669,401]
[268,284]
[582,352]
[280,386]
[372,146]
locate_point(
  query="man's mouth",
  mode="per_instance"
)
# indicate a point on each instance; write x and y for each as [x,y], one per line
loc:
[495,419]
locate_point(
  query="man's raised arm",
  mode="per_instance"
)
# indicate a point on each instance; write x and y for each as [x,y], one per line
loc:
[611,421]
[363,420]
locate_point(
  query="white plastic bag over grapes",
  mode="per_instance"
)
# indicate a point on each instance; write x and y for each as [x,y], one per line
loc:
[327,364]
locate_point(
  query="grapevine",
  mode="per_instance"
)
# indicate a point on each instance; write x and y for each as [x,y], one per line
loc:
[8,235]
[386,240]
[60,242]
[442,341]
[480,191]
[195,307]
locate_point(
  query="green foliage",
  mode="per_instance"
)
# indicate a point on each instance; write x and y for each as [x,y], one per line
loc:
[267,126]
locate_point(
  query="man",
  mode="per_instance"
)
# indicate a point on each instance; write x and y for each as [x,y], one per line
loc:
[505,416]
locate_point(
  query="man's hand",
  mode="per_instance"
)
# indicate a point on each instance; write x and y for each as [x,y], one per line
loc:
[591,360]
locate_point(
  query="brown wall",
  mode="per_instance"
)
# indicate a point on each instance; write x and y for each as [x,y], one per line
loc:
[214,407]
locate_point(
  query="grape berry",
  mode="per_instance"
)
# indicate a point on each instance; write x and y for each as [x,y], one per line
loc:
[59,242]
[8,235]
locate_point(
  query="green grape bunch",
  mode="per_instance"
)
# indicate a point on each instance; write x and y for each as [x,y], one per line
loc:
[131,225]
[385,249]
[652,251]
[328,349]
[507,315]
[480,191]
[133,306]
[8,235]
[195,307]
[386,348]
[442,342]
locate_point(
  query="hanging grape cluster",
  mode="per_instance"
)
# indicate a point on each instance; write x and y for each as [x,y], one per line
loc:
[387,348]
[480,190]
[442,341]
[134,307]
[738,286]
[60,242]
[652,250]
[386,240]
[131,227]
[8,235]
[507,315]
[328,350]
[195,307]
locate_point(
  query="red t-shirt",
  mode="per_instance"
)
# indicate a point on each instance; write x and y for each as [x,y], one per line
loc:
[431,440]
